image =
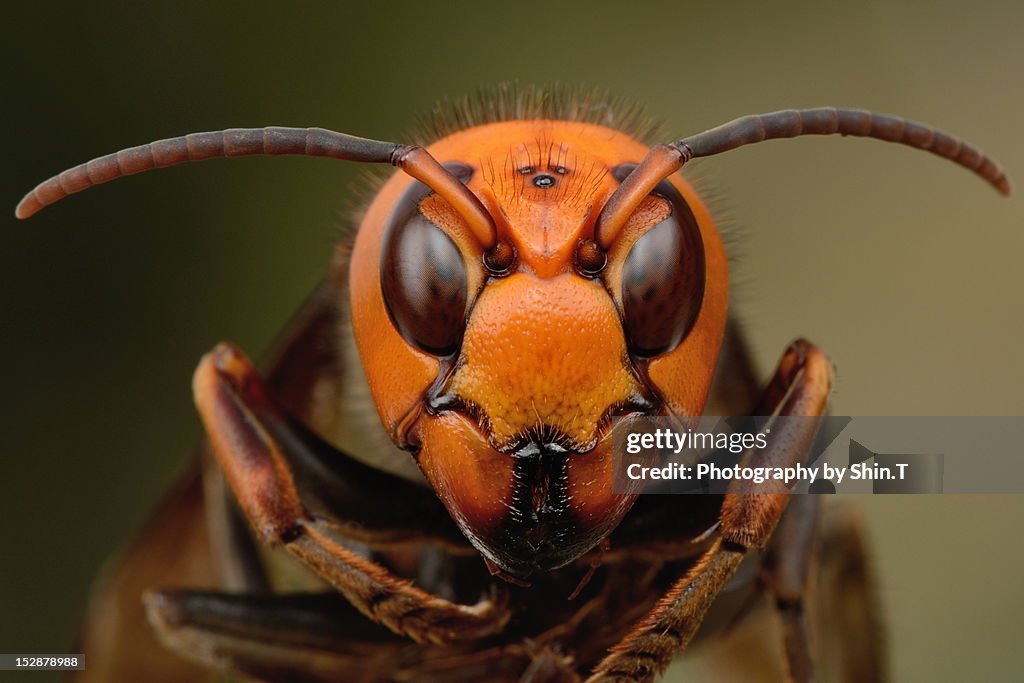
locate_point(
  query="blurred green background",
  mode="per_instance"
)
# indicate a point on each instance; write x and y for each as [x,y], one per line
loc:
[903,267]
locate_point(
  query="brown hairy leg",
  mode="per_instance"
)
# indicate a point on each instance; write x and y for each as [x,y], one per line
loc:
[253,443]
[800,387]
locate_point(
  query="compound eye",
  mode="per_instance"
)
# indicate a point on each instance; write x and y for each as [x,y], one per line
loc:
[663,280]
[423,278]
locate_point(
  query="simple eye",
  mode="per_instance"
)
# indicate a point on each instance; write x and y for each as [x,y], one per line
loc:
[423,276]
[663,280]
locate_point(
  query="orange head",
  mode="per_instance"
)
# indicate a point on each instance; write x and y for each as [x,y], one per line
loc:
[502,366]
[512,300]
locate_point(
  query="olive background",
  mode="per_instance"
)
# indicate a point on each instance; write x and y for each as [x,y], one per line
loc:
[903,267]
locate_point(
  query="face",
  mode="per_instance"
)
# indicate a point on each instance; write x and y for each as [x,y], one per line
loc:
[502,375]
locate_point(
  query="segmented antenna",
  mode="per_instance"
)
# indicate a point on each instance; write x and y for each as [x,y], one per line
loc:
[663,160]
[273,140]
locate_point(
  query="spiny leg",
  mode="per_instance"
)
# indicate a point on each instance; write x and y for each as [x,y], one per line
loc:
[322,638]
[276,638]
[362,503]
[253,444]
[800,387]
[304,373]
